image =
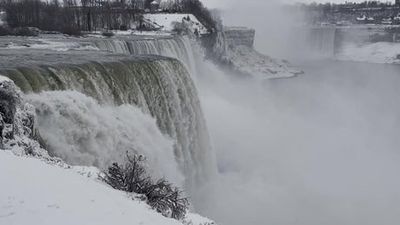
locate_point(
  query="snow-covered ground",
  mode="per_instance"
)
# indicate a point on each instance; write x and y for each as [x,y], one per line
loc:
[167,21]
[380,52]
[36,192]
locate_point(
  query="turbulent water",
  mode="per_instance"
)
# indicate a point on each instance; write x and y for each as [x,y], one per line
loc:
[81,131]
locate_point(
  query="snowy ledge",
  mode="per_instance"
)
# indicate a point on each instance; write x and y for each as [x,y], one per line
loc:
[248,61]
[37,192]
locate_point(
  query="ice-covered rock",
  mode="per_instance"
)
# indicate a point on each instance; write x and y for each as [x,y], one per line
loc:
[17,122]
[8,100]
[246,60]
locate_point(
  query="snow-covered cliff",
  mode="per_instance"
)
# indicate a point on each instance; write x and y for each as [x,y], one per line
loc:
[233,48]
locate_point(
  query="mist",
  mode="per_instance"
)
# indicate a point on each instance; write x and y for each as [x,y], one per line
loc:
[321,148]
[273,24]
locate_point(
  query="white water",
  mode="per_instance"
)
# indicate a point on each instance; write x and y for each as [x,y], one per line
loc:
[83,132]
[196,156]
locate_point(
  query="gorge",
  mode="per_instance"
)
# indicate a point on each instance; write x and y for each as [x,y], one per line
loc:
[247,148]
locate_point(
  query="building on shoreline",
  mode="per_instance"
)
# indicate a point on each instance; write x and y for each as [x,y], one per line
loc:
[353,13]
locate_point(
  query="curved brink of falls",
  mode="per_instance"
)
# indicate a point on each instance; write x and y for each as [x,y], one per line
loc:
[177,47]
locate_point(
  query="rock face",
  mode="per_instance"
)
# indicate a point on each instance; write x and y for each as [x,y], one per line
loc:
[236,36]
[248,61]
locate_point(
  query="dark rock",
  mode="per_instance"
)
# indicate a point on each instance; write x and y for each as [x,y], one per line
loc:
[27,31]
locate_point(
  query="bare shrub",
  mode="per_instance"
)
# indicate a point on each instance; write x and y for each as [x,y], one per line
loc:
[26,31]
[160,195]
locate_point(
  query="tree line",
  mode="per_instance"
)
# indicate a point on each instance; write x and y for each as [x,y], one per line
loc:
[71,16]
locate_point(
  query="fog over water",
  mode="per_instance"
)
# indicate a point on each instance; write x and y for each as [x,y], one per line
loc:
[273,24]
[321,148]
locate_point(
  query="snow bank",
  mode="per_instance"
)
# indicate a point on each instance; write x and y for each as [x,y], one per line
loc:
[4,79]
[380,52]
[166,21]
[35,192]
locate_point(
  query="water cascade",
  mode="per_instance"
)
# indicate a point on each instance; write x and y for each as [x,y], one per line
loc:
[178,47]
[84,132]
[323,40]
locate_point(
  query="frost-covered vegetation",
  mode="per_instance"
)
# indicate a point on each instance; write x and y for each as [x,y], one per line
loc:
[43,193]
[160,195]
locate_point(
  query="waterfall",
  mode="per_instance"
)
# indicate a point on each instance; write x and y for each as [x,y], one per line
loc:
[79,130]
[322,40]
[178,47]
[83,132]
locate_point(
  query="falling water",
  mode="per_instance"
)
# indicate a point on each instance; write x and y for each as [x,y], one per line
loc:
[161,87]
[178,47]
